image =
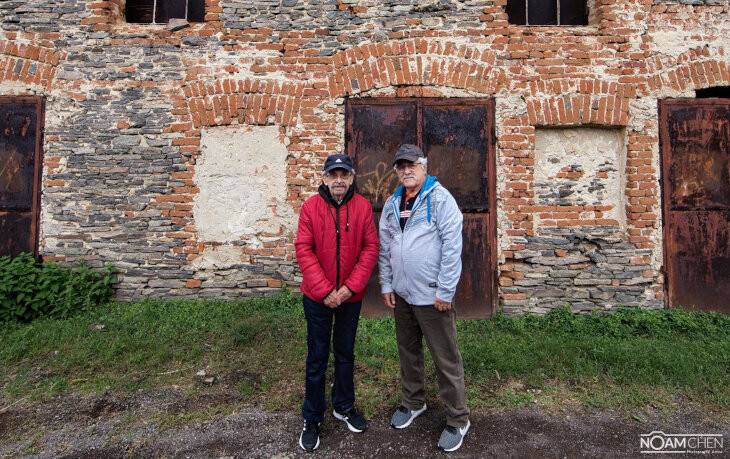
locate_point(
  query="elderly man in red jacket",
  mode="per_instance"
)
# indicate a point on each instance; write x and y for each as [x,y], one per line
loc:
[337,248]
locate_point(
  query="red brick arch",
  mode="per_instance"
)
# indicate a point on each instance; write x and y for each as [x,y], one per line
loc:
[697,75]
[695,69]
[249,101]
[578,109]
[415,62]
[33,64]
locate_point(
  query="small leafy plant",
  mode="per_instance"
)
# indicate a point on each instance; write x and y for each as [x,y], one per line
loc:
[29,289]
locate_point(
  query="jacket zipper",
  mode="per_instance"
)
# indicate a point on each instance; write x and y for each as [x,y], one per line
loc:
[403,231]
[337,231]
[402,237]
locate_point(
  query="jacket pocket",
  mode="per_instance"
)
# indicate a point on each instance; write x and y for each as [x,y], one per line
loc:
[392,225]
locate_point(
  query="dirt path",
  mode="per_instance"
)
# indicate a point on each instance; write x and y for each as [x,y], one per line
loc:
[110,426]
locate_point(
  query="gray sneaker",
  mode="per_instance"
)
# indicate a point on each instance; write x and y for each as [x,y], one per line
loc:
[403,417]
[452,437]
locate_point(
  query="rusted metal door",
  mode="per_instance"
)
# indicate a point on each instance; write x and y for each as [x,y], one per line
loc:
[457,137]
[21,119]
[695,146]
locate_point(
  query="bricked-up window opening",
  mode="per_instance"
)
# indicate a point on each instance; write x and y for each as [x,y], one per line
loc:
[547,12]
[161,11]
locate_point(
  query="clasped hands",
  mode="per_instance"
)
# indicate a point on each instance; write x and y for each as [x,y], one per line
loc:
[337,297]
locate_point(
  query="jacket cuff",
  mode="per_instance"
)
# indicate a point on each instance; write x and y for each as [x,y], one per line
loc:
[352,290]
[386,288]
[444,295]
[322,297]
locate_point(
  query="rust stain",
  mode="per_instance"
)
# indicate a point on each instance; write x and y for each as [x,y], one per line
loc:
[696,141]
[15,231]
[9,169]
[18,118]
[700,163]
[456,142]
[700,254]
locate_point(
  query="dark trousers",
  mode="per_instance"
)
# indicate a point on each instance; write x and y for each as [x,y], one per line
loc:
[320,329]
[412,324]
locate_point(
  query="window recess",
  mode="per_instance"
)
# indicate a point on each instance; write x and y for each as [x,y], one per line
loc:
[547,12]
[161,11]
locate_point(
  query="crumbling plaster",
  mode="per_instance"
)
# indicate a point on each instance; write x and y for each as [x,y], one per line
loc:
[241,174]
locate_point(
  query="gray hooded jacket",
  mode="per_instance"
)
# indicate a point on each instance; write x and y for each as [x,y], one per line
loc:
[423,261]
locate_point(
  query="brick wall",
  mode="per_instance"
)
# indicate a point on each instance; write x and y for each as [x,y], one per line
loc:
[128,104]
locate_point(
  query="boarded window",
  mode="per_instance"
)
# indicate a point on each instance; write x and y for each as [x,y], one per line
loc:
[547,12]
[161,11]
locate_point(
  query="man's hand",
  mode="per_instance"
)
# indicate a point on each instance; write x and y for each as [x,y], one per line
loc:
[343,294]
[389,299]
[332,300]
[442,305]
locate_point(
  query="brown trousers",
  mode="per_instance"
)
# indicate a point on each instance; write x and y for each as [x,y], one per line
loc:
[412,323]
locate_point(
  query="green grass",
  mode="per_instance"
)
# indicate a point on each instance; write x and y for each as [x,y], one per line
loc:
[252,344]
[627,360]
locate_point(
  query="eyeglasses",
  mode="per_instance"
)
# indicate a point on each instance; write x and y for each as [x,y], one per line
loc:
[402,167]
[344,175]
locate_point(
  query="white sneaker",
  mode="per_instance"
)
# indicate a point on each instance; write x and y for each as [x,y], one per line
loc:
[403,417]
[452,437]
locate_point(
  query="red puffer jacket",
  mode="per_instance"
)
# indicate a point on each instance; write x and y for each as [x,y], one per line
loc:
[332,238]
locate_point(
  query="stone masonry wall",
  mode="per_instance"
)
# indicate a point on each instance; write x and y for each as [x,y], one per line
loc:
[157,139]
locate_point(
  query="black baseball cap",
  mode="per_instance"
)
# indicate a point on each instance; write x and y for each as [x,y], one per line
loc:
[408,152]
[338,161]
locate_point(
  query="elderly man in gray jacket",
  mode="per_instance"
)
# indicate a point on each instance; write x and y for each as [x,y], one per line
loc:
[420,265]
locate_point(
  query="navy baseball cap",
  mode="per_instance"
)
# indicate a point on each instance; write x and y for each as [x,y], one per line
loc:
[408,152]
[338,161]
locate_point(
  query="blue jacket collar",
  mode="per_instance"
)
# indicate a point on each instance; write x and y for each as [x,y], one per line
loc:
[428,185]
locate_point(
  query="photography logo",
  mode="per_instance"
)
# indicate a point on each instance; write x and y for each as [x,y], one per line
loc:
[658,442]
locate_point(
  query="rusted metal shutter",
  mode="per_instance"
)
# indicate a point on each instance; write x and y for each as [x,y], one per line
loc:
[457,136]
[695,146]
[374,132]
[21,121]
[456,139]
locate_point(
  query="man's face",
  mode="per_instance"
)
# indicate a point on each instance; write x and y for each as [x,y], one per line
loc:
[410,174]
[338,181]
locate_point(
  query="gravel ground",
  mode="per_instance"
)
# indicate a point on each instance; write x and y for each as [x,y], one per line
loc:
[130,426]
